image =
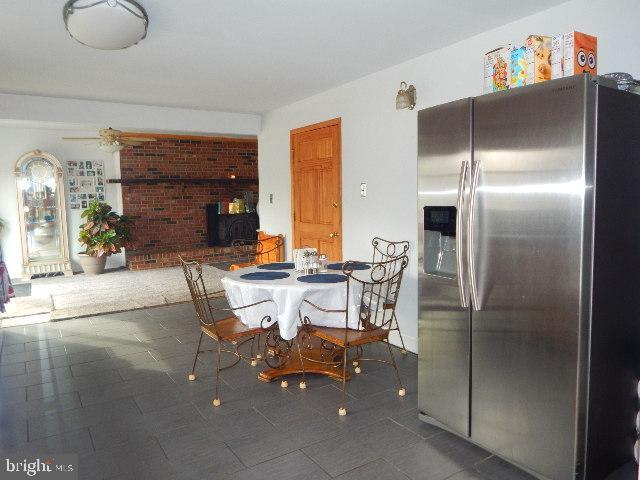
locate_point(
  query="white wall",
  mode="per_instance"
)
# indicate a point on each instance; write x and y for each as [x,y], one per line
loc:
[29,108]
[14,142]
[379,144]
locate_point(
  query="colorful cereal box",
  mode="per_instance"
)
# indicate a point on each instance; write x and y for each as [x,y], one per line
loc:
[557,56]
[580,54]
[518,67]
[538,55]
[497,64]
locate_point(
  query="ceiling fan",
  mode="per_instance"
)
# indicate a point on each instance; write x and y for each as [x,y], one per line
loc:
[112,140]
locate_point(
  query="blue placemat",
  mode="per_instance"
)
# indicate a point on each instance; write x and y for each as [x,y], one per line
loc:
[355,265]
[323,278]
[264,275]
[277,266]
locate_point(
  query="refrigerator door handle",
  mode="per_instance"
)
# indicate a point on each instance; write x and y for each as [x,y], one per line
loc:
[475,174]
[462,284]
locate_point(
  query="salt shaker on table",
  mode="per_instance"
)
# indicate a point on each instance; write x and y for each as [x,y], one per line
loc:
[322,263]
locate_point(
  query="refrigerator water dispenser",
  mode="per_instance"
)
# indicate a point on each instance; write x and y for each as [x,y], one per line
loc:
[440,241]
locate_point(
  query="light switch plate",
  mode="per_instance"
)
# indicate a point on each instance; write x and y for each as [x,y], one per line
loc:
[363,189]
[271,198]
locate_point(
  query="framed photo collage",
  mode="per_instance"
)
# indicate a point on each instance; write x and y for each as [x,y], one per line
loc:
[85,180]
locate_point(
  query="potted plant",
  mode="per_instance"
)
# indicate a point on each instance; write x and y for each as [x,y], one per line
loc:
[103,233]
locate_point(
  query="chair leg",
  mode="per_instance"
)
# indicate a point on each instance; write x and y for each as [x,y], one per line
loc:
[356,362]
[254,362]
[401,390]
[404,349]
[343,406]
[258,355]
[303,383]
[216,400]
[192,375]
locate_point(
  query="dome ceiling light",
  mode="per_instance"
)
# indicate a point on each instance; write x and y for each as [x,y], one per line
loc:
[106,24]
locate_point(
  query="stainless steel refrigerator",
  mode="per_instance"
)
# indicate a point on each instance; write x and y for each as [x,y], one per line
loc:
[529,274]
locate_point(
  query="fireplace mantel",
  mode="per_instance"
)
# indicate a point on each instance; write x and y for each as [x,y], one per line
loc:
[184,181]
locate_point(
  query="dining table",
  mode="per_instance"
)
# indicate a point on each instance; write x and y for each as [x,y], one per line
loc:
[287,292]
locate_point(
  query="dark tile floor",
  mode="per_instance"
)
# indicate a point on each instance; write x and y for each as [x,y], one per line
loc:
[113,389]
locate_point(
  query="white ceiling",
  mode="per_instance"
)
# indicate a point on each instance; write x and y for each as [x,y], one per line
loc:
[236,55]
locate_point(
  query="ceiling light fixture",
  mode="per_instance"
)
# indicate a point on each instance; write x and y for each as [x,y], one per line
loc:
[406,97]
[106,24]
[110,147]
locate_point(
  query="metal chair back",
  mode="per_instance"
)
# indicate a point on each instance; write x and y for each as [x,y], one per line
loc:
[380,286]
[384,250]
[265,250]
[195,281]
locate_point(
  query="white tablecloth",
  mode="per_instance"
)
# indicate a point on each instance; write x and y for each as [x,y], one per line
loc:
[288,297]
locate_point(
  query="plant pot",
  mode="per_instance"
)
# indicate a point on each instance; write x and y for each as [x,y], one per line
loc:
[92,265]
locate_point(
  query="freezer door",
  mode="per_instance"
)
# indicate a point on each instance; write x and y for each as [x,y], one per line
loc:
[444,155]
[526,247]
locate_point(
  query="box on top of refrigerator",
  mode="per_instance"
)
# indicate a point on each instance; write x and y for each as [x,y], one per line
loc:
[497,74]
[538,54]
[518,67]
[557,56]
[580,54]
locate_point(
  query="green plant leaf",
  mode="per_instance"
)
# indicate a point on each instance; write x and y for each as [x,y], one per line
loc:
[105,232]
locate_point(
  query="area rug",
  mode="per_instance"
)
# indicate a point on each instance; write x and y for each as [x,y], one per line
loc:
[115,291]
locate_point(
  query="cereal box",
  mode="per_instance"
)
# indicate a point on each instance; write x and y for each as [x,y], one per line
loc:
[580,54]
[557,56]
[497,65]
[538,55]
[518,67]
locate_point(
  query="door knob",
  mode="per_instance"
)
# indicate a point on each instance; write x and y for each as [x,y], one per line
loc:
[334,234]
[334,205]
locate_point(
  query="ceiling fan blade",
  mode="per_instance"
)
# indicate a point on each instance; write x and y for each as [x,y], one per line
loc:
[106,132]
[81,138]
[137,139]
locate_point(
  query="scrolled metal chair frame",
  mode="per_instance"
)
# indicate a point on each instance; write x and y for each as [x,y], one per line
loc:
[384,250]
[376,312]
[277,350]
[205,313]
[258,248]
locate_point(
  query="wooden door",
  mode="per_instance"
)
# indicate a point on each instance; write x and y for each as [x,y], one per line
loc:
[317,188]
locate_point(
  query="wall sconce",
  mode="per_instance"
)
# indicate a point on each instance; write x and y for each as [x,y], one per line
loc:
[406,97]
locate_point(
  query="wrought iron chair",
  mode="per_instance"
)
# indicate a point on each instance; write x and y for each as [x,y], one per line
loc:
[379,287]
[227,330]
[384,250]
[266,249]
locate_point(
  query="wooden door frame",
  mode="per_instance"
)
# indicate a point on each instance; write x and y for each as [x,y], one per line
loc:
[327,123]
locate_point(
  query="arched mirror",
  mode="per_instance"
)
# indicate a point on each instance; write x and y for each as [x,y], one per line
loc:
[42,214]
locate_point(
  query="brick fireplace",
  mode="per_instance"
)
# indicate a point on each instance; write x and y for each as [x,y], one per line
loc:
[166,186]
